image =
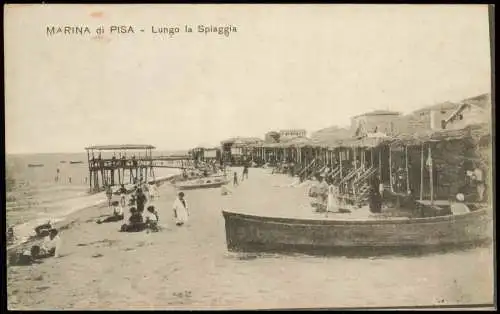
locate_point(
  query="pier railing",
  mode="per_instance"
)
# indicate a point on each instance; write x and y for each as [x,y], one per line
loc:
[182,162]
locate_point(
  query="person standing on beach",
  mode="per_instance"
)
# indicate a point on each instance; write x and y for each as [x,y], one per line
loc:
[109,194]
[123,195]
[245,172]
[322,193]
[235,179]
[180,208]
[140,200]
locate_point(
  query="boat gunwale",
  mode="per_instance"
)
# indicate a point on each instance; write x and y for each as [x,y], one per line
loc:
[194,186]
[327,222]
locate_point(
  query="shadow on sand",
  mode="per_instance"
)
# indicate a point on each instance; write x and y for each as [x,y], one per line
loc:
[266,251]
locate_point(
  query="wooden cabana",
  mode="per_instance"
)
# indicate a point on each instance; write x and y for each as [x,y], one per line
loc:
[436,161]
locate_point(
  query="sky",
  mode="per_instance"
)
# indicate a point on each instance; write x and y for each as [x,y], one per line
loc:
[286,66]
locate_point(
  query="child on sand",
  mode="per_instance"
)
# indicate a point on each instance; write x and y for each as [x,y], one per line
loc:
[180,208]
[152,218]
[123,195]
[117,214]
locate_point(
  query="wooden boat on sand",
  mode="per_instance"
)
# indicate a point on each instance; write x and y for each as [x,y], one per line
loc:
[203,183]
[35,165]
[258,234]
[76,162]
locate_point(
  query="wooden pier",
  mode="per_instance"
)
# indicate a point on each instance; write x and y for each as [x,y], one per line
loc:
[111,165]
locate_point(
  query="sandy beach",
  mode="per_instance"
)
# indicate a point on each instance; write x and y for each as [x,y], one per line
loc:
[190,267]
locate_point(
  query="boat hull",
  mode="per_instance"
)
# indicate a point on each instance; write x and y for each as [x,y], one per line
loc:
[256,233]
[201,186]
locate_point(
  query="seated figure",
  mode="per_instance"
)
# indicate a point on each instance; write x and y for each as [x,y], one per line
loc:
[135,222]
[43,230]
[116,216]
[152,218]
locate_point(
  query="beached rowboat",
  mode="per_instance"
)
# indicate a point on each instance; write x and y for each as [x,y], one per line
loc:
[35,165]
[210,182]
[257,233]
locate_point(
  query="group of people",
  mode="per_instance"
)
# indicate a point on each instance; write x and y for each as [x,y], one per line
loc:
[50,247]
[137,199]
[244,175]
[142,212]
[325,195]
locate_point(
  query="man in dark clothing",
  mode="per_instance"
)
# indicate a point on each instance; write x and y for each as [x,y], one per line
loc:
[245,172]
[135,222]
[140,200]
[235,179]
[375,197]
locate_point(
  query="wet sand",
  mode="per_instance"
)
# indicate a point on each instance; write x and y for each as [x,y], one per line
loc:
[190,267]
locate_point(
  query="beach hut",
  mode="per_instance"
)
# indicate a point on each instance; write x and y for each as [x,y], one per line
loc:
[436,161]
[237,150]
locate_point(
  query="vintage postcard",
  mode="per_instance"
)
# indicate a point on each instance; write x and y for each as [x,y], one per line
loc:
[249,156]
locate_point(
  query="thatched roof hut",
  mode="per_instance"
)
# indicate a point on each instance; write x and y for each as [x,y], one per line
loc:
[475,132]
[330,136]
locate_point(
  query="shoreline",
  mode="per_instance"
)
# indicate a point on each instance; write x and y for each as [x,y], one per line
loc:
[65,221]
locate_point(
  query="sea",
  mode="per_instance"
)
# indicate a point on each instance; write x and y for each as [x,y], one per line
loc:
[34,196]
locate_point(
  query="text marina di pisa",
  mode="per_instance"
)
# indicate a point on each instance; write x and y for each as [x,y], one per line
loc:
[170,31]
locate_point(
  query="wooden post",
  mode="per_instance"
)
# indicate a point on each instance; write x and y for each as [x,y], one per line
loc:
[390,168]
[407,169]
[371,157]
[355,158]
[431,176]
[90,170]
[380,163]
[119,177]
[422,173]
[340,164]
[102,172]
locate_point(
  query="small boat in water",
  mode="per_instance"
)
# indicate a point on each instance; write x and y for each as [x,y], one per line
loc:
[203,183]
[35,165]
[76,162]
[246,232]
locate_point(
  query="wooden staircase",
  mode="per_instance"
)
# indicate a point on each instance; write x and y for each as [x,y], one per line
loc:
[361,186]
[306,171]
[355,185]
[335,175]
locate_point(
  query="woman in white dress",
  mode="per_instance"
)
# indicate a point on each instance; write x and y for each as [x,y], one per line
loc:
[180,208]
[332,205]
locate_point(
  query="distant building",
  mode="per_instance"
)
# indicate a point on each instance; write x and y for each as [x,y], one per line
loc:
[466,114]
[291,133]
[236,148]
[379,121]
[447,115]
